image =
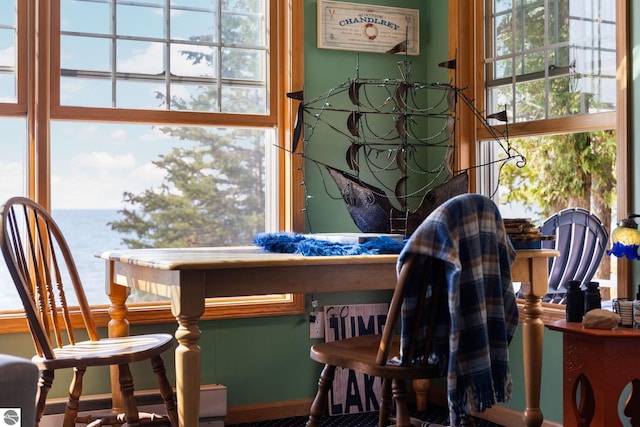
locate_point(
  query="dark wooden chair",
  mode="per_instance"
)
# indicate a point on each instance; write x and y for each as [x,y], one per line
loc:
[581,239]
[421,309]
[45,275]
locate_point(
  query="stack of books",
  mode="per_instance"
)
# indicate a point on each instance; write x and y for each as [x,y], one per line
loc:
[524,234]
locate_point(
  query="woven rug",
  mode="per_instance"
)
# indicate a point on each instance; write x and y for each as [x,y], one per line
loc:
[435,414]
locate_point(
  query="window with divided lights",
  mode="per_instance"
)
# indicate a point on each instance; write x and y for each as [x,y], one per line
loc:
[151,123]
[173,55]
[550,58]
[555,67]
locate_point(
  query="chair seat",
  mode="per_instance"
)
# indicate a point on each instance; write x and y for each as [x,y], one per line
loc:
[359,353]
[106,351]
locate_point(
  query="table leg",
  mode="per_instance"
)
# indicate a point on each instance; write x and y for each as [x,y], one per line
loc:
[188,371]
[118,327]
[187,306]
[532,339]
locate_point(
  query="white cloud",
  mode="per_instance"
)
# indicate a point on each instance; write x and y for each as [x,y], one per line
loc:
[149,60]
[11,180]
[97,180]
[103,162]
[8,56]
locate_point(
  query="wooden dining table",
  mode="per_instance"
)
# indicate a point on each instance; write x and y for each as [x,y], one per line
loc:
[191,275]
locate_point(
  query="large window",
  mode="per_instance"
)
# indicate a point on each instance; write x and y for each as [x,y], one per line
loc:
[547,60]
[148,123]
[557,68]
[551,58]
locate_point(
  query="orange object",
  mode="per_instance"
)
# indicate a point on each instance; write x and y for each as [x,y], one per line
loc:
[597,366]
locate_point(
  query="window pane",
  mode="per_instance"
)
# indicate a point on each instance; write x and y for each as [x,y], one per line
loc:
[530,101]
[140,94]
[139,57]
[86,17]
[75,54]
[240,27]
[503,34]
[254,64]
[8,49]
[158,45]
[73,91]
[194,60]
[13,155]
[501,98]
[140,20]
[244,100]
[532,27]
[8,13]
[117,186]
[187,23]
[503,68]
[565,44]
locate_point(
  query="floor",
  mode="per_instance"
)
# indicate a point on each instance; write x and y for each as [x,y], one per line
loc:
[435,415]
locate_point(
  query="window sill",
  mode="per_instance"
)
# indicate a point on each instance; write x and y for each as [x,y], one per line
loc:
[216,308]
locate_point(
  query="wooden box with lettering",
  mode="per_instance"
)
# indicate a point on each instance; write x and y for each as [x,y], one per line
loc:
[354,392]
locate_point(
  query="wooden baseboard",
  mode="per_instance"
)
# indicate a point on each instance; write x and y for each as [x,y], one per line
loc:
[497,414]
[267,411]
[296,408]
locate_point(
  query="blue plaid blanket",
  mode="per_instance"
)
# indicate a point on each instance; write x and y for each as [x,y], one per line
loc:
[477,311]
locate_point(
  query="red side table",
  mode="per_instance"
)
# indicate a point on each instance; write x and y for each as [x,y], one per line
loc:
[597,365]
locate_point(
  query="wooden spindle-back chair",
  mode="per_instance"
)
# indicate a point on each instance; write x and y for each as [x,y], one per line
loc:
[45,275]
[444,323]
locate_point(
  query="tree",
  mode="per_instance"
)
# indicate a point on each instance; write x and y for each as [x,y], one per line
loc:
[212,195]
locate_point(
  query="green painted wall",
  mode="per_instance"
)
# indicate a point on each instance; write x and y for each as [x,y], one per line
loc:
[259,359]
[325,69]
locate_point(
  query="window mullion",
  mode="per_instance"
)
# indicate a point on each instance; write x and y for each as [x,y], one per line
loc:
[167,52]
[114,53]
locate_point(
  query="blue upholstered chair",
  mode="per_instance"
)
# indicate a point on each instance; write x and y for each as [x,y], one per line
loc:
[18,389]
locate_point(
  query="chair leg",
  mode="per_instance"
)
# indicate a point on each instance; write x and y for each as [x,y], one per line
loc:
[399,391]
[467,421]
[320,402]
[75,390]
[165,390]
[384,417]
[44,385]
[126,386]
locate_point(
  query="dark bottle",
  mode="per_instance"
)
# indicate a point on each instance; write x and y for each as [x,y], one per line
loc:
[592,297]
[636,310]
[575,301]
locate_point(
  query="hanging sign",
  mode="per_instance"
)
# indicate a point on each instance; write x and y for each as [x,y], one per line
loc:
[368,28]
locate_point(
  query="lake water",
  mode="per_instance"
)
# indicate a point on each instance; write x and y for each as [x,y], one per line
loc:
[88,234]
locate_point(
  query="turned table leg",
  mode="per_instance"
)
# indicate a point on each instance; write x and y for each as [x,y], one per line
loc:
[187,305]
[118,327]
[531,268]
[532,339]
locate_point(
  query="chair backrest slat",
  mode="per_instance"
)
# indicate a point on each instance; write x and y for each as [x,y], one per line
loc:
[393,314]
[581,239]
[41,265]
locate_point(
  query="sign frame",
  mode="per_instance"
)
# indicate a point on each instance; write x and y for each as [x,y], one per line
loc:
[368,28]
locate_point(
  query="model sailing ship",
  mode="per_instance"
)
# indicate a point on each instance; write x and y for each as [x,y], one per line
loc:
[398,139]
